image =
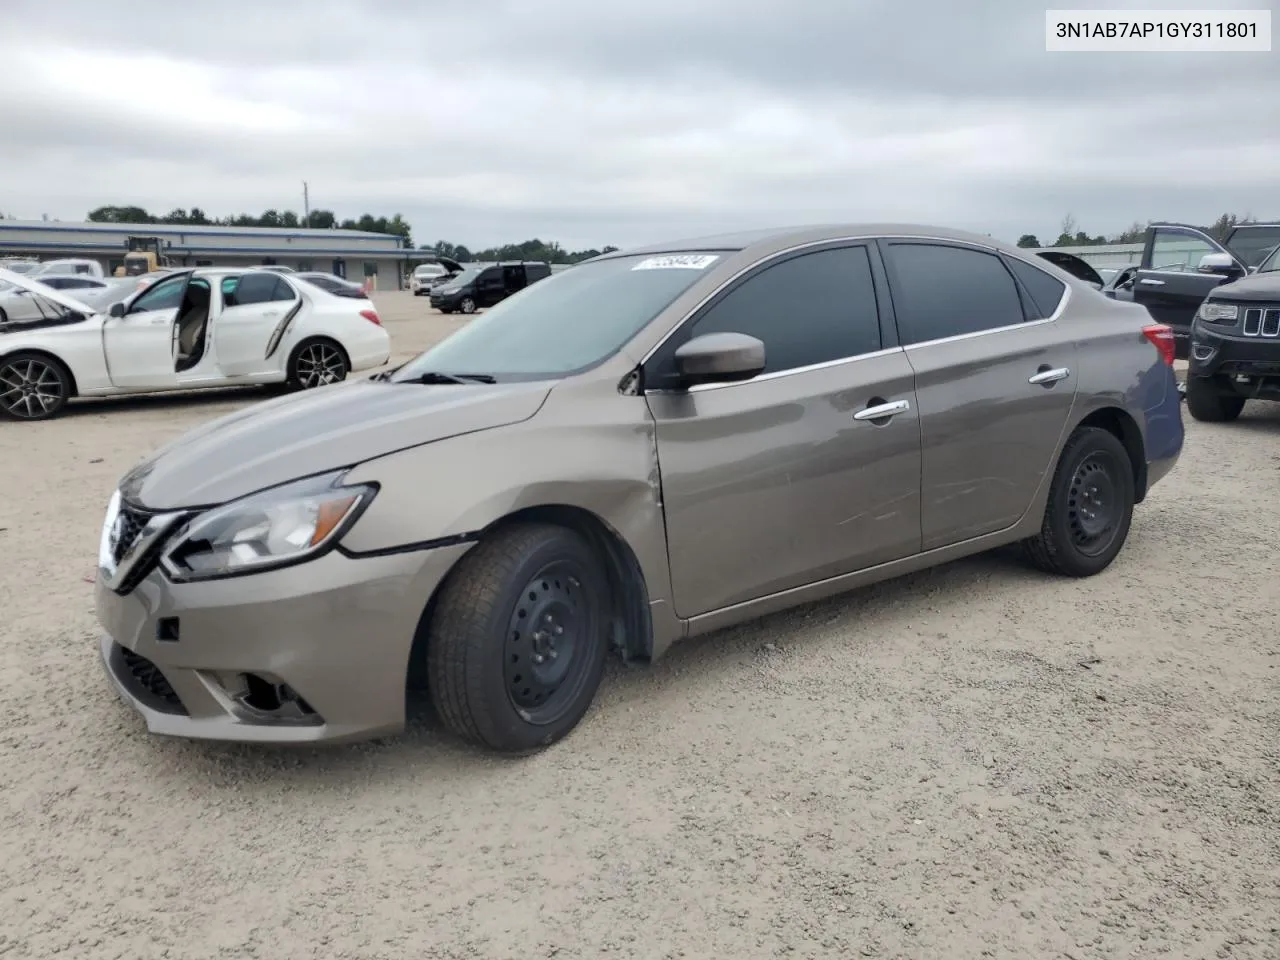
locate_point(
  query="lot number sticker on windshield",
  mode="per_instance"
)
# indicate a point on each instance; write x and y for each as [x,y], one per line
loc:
[681,261]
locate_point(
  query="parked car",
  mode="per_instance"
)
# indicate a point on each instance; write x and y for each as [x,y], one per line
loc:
[193,329]
[652,445]
[1235,342]
[69,266]
[483,286]
[1174,276]
[334,285]
[18,305]
[427,275]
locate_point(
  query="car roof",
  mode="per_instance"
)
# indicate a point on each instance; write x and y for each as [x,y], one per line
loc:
[780,238]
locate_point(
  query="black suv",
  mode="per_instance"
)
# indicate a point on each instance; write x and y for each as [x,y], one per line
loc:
[1235,341]
[1181,264]
[485,285]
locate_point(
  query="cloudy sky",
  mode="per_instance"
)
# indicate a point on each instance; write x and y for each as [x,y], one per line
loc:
[591,122]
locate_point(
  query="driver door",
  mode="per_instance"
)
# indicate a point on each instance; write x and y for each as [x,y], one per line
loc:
[1169,283]
[139,345]
[253,305]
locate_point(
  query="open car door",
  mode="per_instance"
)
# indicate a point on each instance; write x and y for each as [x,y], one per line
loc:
[138,335]
[253,306]
[1180,265]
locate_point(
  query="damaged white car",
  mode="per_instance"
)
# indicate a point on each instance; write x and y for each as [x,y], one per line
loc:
[190,330]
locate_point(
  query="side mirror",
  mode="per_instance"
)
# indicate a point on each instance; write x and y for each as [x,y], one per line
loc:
[116,309]
[719,358]
[1221,264]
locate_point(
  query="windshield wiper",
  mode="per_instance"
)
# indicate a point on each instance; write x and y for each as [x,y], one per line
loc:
[433,377]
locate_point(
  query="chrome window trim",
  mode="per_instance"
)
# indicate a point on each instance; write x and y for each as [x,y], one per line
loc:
[868,238]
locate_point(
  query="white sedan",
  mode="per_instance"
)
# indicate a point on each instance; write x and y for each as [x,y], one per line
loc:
[192,329]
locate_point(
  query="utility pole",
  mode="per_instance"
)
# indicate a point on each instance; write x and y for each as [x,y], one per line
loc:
[306,205]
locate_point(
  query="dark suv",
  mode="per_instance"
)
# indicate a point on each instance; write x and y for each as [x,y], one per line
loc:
[1235,340]
[485,285]
[1181,264]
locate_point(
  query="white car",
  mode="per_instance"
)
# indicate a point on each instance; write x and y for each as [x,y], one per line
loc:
[193,329]
[18,304]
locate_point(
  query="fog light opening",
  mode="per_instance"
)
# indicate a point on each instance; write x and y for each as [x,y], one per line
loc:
[275,701]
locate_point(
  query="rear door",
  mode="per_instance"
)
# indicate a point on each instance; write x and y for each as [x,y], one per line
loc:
[490,286]
[781,480]
[995,380]
[1169,283]
[253,305]
[139,345]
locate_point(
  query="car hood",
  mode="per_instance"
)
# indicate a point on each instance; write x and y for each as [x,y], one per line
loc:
[48,293]
[1257,287]
[1073,265]
[317,431]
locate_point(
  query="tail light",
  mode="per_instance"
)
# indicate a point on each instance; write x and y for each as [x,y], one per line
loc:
[1162,336]
[372,317]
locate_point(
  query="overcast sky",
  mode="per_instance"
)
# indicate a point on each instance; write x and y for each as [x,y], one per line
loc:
[593,122]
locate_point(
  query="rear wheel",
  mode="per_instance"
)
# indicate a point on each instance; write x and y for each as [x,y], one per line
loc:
[1090,508]
[468,305]
[516,646]
[33,386]
[1209,401]
[317,363]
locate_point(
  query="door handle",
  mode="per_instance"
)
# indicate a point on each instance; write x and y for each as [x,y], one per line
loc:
[883,411]
[1047,378]
[1148,282]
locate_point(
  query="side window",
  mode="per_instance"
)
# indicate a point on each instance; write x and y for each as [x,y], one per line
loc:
[258,287]
[809,309]
[56,283]
[165,295]
[1046,291]
[944,291]
[282,290]
[1178,251]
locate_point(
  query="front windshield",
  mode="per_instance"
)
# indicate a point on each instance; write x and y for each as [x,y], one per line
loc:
[1251,244]
[466,276]
[1272,263]
[567,322]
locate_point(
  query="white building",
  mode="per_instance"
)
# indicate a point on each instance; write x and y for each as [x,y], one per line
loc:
[354,254]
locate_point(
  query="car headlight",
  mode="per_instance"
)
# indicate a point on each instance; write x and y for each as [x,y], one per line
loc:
[275,528]
[1218,312]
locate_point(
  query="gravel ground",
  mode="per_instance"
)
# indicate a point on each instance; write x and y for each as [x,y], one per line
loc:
[976,761]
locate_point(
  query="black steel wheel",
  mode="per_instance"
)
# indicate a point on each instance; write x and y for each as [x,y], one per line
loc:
[517,643]
[33,386]
[468,305]
[1090,508]
[317,363]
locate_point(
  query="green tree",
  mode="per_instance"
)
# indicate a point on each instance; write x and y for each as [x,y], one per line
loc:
[1029,241]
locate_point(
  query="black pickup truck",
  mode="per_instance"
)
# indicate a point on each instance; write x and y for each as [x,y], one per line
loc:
[1181,264]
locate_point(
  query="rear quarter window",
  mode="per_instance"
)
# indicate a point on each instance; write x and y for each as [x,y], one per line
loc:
[1046,291]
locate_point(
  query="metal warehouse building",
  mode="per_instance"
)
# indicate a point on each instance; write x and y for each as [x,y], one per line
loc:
[353,254]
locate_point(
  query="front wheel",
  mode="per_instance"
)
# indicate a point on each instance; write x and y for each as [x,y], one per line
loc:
[33,386]
[1090,508]
[317,363]
[516,646]
[1209,402]
[468,305]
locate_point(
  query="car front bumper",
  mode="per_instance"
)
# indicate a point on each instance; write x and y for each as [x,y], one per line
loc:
[317,652]
[1251,365]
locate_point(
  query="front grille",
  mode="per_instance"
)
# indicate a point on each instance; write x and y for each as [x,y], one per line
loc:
[132,521]
[147,683]
[1262,322]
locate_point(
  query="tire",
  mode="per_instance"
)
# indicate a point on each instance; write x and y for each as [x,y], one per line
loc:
[483,672]
[1208,402]
[33,386]
[467,305]
[317,362]
[446,309]
[1079,538]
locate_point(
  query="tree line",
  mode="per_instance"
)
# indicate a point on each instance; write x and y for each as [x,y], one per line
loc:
[195,217]
[535,249]
[1070,236]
